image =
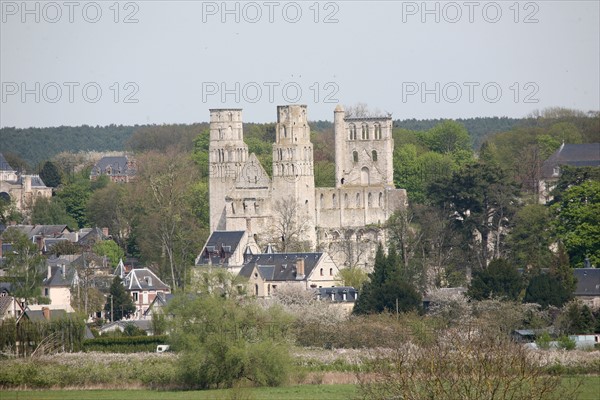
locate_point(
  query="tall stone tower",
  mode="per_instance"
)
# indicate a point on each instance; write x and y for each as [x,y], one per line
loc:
[364,148]
[293,171]
[227,154]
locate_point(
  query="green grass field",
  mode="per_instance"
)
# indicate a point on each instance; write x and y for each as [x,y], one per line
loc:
[590,390]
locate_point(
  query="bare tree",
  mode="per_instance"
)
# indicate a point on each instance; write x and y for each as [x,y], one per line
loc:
[462,364]
[290,226]
[362,110]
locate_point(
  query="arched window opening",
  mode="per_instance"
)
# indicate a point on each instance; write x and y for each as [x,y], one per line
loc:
[322,201]
[370,201]
[334,201]
[357,200]
[355,156]
[352,132]
[364,176]
[374,155]
[380,200]
[365,132]
[377,131]
[346,201]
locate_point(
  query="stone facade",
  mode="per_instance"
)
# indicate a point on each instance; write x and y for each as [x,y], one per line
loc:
[346,221]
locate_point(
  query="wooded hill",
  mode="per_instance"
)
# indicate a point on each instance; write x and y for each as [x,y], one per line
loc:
[35,145]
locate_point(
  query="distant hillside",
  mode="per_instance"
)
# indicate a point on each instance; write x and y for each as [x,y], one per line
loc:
[35,145]
[478,128]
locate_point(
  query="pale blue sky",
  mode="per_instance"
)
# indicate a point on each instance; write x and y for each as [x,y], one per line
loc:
[177,56]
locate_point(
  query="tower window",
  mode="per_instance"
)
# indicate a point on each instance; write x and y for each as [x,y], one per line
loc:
[352,134]
[357,200]
[377,131]
[380,199]
[355,156]
[346,202]
[334,201]
[369,201]
[322,200]
[374,155]
[365,132]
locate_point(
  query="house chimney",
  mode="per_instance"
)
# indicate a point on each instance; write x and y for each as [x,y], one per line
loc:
[64,270]
[27,183]
[46,312]
[105,231]
[300,267]
[49,272]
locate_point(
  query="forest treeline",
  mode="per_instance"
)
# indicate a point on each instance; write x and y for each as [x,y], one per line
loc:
[36,145]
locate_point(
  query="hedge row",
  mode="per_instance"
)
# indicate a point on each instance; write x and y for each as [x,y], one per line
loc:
[126,344]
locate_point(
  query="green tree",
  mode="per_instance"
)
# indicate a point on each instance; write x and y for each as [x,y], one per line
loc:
[122,305]
[481,201]
[110,249]
[24,264]
[576,318]
[222,341]
[577,222]
[499,280]
[112,207]
[530,238]
[386,289]
[50,174]
[75,196]
[51,211]
[546,290]
[447,137]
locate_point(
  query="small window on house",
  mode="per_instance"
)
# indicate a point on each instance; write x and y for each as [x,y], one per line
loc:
[374,155]
[135,296]
[268,289]
[256,290]
[46,292]
[321,271]
[330,271]
[355,156]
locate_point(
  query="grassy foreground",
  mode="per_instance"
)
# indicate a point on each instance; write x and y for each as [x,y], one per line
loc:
[590,390]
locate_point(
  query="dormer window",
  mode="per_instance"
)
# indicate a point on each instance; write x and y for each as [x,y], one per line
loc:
[556,171]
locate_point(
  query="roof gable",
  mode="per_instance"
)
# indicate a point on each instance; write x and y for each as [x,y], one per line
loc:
[220,246]
[252,175]
[143,279]
[281,266]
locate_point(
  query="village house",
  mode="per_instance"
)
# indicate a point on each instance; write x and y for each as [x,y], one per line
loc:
[575,155]
[268,272]
[227,249]
[143,286]
[121,169]
[588,286]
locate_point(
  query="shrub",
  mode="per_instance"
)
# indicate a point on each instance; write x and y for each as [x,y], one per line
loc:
[469,366]
[565,342]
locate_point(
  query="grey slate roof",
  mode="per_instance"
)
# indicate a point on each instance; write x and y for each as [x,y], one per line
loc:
[219,247]
[4,165]
[280,266]
[588,281]
[39,315]
[36,181]
[336,294]
[111,166]
[143,279]
[52,231]
[58,279]
[93,236]
[577,155]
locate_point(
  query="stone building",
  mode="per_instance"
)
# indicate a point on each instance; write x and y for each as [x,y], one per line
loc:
[345,220]
[20,188]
